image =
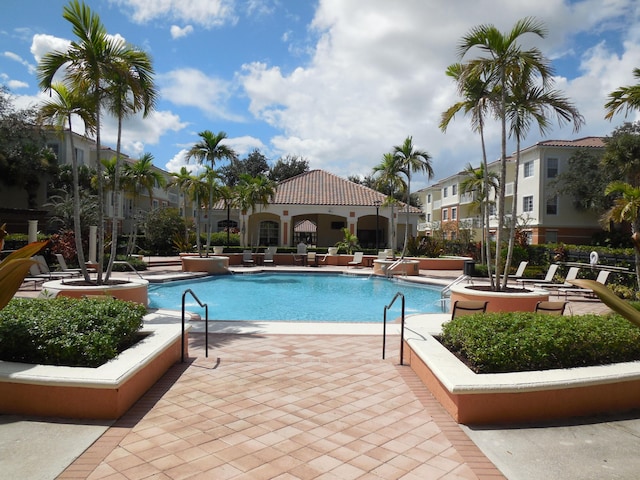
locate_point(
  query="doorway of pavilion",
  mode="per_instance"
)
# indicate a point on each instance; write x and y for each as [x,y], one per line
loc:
[305,231]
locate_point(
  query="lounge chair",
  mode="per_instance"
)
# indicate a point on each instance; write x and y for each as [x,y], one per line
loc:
[247,258]
[519,272]
[312,259]
[602,278]
[468,307]
[41,270]
[571,275]
[300,258]
[548,278]
[383,254]
[63,266]
[357,259]
[551,308]
[268,256]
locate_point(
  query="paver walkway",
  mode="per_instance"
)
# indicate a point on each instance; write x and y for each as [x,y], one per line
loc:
[285,407]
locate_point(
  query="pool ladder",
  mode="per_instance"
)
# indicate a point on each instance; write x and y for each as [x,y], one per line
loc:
[206,324]
[384,326]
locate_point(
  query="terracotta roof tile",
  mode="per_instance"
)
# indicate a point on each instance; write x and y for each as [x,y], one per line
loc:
[586,142]
[318,187]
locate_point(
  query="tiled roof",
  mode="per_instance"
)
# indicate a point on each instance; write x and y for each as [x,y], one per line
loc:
[586,142]
[318,187]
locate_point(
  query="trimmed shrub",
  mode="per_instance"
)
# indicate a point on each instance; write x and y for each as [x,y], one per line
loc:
[67,331]
[524,341]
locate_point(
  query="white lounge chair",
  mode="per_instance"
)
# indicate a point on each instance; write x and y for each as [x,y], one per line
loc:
[247,258]
[519,272]
[602,278]
[268,255]
[548,278]
[41,269]
[63,266]
[357,259]
[571,275]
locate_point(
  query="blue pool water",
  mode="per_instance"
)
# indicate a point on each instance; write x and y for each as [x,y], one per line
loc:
[297,297]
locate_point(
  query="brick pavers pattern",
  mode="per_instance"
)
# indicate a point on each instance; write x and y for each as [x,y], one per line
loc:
[286,407]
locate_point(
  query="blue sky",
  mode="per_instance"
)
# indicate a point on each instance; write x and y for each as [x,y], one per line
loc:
[338,82]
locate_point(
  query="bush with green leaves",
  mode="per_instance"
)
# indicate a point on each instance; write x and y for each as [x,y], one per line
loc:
[524,341]
[160,227]
[67,331]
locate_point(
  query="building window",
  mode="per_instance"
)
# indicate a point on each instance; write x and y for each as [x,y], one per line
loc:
[528,235]
[454,213]
[155,204]
[445,192]
[428,217]
[445,214]
[527,203]
[492,209]
[222,225]
[269,232]
[528,169]
[551,236]
[428,198]
[454,189]
[552,167]
[80,156]
[552,205]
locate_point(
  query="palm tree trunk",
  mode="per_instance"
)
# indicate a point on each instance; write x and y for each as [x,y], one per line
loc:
[514,216]
[116,204]
[77,228]
[406,227]
[486,217]
[101,202]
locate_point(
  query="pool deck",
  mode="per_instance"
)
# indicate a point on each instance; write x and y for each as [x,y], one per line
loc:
[304,400]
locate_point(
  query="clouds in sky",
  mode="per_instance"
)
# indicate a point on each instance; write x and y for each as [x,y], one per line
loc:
[356,77]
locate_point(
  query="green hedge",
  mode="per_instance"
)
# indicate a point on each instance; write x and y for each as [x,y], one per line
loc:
[523,341]
[66,331]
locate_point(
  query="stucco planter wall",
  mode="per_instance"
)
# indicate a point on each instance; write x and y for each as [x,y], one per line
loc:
[407,267]
[105,392]
[501,301]
[133,290]
[502,398]
[214,265]
[444,263]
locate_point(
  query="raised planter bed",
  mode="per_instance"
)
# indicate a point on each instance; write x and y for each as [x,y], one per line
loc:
[503,398]
[524,301]
[132,290]
[106,392]
[216,265]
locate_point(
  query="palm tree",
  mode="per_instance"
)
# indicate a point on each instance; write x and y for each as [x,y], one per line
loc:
[528,103]
[388,180]
[130,90]
[211,180]
[626,208]
[91,64]
[477,99]
[210,149]
[501,63]
[183,180]
[59,112]
[252,192]
[411,160]
[624,97]
[141,175]
[475,183]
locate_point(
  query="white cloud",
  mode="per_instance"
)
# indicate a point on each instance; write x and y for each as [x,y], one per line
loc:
[178,161]
[190,87]
[207,13]
[16,84]
[177,32]
[42,44]
[377,75]
[17,58]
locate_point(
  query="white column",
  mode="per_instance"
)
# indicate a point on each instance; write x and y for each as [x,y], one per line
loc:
[33,231]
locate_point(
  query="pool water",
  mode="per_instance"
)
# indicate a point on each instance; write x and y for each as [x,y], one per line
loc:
[297,297]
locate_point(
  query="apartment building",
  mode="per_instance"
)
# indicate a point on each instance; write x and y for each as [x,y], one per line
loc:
[544,215]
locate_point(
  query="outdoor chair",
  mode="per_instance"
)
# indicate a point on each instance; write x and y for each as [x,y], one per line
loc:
[41,270]
[602,278]
[548,278]
[247,258]
[519,272]
[357,259]
[468,307]
[312,259]
[63,266]
[551,308]
[571,275]
[268,256]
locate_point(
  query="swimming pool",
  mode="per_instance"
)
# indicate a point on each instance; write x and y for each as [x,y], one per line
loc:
[297,297]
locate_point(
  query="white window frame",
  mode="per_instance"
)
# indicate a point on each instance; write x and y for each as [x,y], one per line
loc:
[552,202]
[454,189]
[528,169]
[445,192]
[445,214]
[454,213]
[527,204]
[552,172]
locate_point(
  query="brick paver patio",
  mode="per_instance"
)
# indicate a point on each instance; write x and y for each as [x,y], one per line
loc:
[285,407]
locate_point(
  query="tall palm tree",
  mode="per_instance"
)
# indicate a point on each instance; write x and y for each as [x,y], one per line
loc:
[477,95]
[411,160]
[130,89]
[252,192]
[624,97]
[91,63]
[529,103]
[626,208]
[475,182]
[183,180]
[59,111]
[501,61]
[212,182]
[140,175]
[210,149]
[388,180]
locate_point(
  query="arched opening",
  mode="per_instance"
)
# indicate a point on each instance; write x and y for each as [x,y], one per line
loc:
[269,233]
[305,231]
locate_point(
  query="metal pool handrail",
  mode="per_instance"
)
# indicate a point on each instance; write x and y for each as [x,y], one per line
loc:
[206,323]
[384,326]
